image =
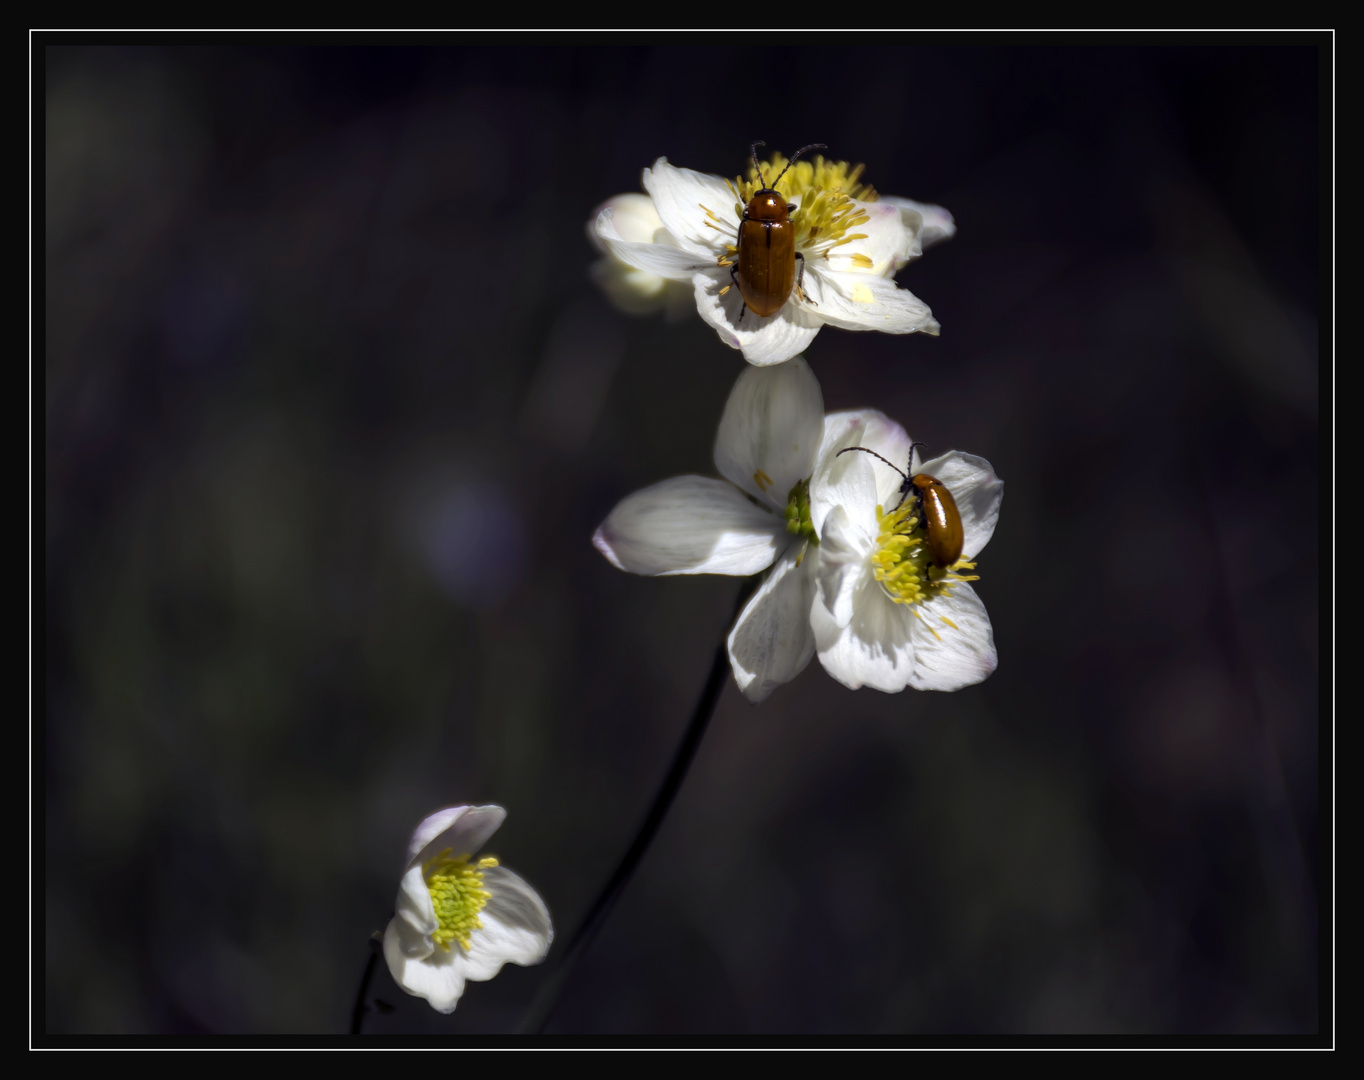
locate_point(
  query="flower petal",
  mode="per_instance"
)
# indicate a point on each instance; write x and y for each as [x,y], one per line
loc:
[634,219]
[635,292]
[438,977]
[682,197]
[770,431]
[666,260]
[690,525]
[863,301]
[414,919]
[764,340]
[463,829]
[975,489]
[875,649]
[951,655]
[934,222]
[887,244]
[844,549]
[839,481]
[772,641]
[516,927]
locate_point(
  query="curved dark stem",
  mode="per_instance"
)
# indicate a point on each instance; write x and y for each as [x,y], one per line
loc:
[548,995]
[357,1015]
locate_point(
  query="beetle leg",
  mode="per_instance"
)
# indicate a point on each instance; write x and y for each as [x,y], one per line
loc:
[800,281]
[733,270]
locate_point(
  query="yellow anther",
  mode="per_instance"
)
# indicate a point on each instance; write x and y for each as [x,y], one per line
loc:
[761,478]
[903,564]
[457,896]
[828,195]
[862,260]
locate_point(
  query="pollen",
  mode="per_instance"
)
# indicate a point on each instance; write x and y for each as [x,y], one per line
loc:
[902,562]
[798,514]
[458,895]
[828,194]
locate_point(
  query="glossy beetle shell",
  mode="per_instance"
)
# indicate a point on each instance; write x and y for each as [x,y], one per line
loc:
[767,254]
[942,519]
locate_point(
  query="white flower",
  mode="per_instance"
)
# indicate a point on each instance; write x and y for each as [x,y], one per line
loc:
[459,919]
[758,516]
[851,242]
[634,291]
[885,616]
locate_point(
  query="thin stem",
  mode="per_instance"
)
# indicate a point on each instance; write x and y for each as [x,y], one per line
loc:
[357,1015]
[548,995]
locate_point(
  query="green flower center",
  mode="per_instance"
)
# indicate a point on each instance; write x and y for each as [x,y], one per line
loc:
[458,895]
[903,564]
[798,513]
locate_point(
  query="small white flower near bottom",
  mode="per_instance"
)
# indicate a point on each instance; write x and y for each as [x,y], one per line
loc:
[885,615]
[459,918]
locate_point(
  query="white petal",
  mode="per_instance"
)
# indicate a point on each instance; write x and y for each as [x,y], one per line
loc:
[863,301]
[414,919]
[875,649]
[888,243]
[844,550]
[690,525]
[934,223]
[838,481]
[666,260]
[635,220]
[951,656]
[770,430]
[682,197]
[439,977]
[463,829]
[772,641]
[975,489]
[516,927]
[635,292]
[771,339]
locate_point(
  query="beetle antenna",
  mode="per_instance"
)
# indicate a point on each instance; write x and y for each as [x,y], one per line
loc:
[911,453]
[812,146]
[874,454]
[756,167]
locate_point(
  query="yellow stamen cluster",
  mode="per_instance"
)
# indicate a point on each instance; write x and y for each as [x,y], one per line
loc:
[457,892]
[902,562]
[825,191]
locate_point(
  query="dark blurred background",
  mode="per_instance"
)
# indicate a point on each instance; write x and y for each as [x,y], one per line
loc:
[332,409]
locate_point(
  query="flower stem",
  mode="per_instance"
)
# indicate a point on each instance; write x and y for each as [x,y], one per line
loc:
[357,1016]
[547,997]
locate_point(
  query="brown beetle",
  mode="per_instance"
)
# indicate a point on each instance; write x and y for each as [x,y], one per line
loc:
[766,267]
[937,509]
